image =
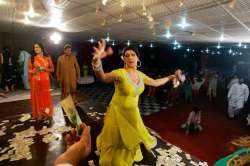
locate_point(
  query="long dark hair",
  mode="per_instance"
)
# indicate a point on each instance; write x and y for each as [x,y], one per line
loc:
[34,53]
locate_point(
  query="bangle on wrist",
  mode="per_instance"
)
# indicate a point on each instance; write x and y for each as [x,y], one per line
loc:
[97,67]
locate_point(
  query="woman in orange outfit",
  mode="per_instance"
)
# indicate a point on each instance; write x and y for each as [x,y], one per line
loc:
[40,68]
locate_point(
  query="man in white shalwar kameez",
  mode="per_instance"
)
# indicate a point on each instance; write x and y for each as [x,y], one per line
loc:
[234,80]
[237,97]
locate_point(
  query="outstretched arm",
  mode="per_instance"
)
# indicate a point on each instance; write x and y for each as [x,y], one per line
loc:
[158,82]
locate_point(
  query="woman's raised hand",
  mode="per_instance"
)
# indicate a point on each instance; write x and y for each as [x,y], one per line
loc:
[100,53]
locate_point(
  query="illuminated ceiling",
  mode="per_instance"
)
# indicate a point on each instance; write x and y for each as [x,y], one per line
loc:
[135,20]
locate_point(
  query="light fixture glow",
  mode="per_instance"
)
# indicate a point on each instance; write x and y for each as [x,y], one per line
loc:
[140,45]
[222,37]
[151,45]
[207,50]
[120,18]
[26,19]
[123,3]
[188,49]
[179,45]
[181,3]
[240,44]
[91,40]
[183,23]
[218,46]
[108,38]
[113,43]
[175,42]
[56,38]
[32,13]
[230,51]
[168,34]
[150,18]
[245,46]
[2,2]
[128,43]
[104,2]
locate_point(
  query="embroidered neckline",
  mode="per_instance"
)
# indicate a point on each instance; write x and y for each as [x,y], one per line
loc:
[131,81]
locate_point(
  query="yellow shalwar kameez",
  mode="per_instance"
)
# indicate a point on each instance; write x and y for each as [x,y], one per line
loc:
[123,130]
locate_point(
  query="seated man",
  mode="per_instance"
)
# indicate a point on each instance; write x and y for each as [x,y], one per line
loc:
[79,148]
[193,121]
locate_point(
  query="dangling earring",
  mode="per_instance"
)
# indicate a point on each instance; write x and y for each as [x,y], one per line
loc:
[138,63]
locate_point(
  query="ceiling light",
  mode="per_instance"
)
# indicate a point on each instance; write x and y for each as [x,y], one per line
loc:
[218,46]
[2,2]
[150,18]
[108,38]
[123,3]
[175,42]
[113,43]
[188,49]
[140,45]
[240,44]
[56,18]
[91,40]
[218,52]
[128,43]
[183,23]
[104,2]
[31,13]
[181,3]
[245,46]
[120,18]
[168,34]
[207,50]
[26,20]
[221,37]
[56,38]
[151,45]
[179,45]
[230,51]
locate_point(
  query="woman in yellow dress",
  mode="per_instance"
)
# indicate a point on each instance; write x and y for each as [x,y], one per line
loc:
[123,130]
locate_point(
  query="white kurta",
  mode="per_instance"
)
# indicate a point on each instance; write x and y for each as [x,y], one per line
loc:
[233,81]
[237,97]
[23,61]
